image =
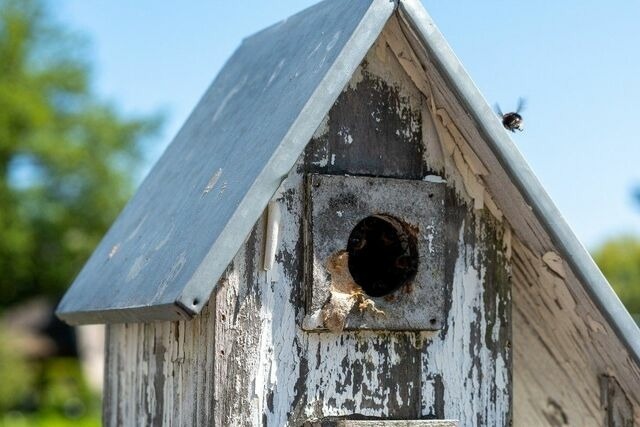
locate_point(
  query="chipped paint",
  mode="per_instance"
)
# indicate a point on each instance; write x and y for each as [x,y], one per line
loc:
[485,374]
[555,263]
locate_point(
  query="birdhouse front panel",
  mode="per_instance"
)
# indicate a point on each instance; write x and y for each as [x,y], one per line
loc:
[314,336]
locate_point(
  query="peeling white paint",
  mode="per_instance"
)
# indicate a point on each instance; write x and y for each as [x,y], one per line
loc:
[346,135]
[327,379]
[430,234]
[479,374]
[555,263]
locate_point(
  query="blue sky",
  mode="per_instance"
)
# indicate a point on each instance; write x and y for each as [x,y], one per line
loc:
[577,62]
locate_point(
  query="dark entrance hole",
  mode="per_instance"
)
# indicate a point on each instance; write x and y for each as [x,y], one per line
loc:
[383,255]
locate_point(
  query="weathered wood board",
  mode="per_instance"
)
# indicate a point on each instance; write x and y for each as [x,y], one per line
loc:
[246,360]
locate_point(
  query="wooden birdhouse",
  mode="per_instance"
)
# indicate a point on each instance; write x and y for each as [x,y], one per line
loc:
[343,233]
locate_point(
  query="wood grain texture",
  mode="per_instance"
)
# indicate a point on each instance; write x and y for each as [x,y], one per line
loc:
[557,327]
[246,360]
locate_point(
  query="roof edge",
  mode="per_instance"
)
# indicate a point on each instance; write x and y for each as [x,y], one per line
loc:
[523,177]
[163,312]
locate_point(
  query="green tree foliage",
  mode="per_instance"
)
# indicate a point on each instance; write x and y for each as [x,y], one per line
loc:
[619,260]
[17,377]
[49,392]
[66,158]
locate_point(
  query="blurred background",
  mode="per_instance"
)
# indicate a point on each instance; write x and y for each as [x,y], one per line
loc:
[92,91]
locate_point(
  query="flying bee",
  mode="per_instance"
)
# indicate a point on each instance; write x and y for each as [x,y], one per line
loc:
[513,121]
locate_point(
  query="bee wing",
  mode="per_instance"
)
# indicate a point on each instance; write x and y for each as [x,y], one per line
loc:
[522,104]
[498,110]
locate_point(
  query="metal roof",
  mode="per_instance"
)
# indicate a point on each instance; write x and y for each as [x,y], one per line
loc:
[165,253]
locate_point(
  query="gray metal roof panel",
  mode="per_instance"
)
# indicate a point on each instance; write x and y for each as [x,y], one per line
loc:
[517,168]
[164,254]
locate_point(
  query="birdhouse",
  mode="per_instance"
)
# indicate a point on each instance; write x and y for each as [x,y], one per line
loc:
[343,233]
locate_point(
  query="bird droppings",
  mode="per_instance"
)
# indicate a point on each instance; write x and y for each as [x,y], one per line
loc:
[114,250]
[223,188]
[212,182]
[234,90]
[275,73]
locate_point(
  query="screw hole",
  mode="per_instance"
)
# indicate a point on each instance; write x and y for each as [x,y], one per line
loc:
[196,301]
[431,195]
[383,255]
[433,321]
